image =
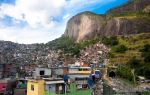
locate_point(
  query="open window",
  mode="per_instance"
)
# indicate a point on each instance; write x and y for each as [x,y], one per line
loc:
[32,87]
[42,72]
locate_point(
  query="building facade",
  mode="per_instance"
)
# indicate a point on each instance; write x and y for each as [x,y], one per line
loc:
[36,87]
[42,72]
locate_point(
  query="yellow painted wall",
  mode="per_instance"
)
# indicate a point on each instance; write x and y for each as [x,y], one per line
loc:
[39,88]
[80,72]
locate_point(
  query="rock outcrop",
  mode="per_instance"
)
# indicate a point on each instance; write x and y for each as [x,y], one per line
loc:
[126,26]
[84,26]
[88,25]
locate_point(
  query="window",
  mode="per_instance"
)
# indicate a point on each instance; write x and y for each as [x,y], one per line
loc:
[42,72]
[32,87]
[80,69]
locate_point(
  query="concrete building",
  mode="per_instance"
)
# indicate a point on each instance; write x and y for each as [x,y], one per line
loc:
[46,86]
[1,71]
[81,83]
[36,87]
[39,72]
[79,71]
[55,86]
[60,71]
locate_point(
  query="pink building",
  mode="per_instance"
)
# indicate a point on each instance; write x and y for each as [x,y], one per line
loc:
[3,86]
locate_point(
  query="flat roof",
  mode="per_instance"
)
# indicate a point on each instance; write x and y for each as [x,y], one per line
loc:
[80,68]
[54,82]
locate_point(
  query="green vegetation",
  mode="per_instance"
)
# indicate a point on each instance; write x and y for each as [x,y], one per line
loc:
[110,41]
[64,43]
[132,53]
[73,91]
[145,67]
[146,93]
[133,43]
[124,72]
[146,53]
[134,63]
[138,14]
[120,48]
[69,46]
[61,43]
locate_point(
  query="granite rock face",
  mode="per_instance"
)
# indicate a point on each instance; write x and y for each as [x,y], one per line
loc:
[84,26]
[88,25]
[126,26]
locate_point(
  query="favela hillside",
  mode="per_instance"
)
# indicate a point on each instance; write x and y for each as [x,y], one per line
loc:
[94,47]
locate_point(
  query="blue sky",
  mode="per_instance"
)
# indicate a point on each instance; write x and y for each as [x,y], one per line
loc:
[39,21]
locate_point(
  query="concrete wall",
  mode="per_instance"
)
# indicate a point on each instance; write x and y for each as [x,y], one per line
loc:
[50,88]
[59,71]
[47,72]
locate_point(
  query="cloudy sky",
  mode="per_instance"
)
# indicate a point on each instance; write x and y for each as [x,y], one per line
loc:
[40,21]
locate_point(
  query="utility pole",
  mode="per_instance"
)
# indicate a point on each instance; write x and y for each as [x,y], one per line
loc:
[132,71]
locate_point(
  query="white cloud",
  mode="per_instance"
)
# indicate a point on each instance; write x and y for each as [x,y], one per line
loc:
[39,14]
[35,12]
[29,35]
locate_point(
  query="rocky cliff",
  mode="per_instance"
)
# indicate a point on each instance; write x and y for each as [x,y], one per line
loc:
[84,26]
[123,20]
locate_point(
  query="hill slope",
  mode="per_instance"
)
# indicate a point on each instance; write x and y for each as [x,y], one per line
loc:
[132,53]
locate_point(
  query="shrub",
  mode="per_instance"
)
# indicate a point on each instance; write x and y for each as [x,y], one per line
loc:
[134,62]
[144,70]
[110,55]
[146,48]
[146,53]
[121,48]
[111,41]
[124,72]
[146,57]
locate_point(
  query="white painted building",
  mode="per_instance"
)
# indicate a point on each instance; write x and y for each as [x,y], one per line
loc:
[42,72]
[55,86]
